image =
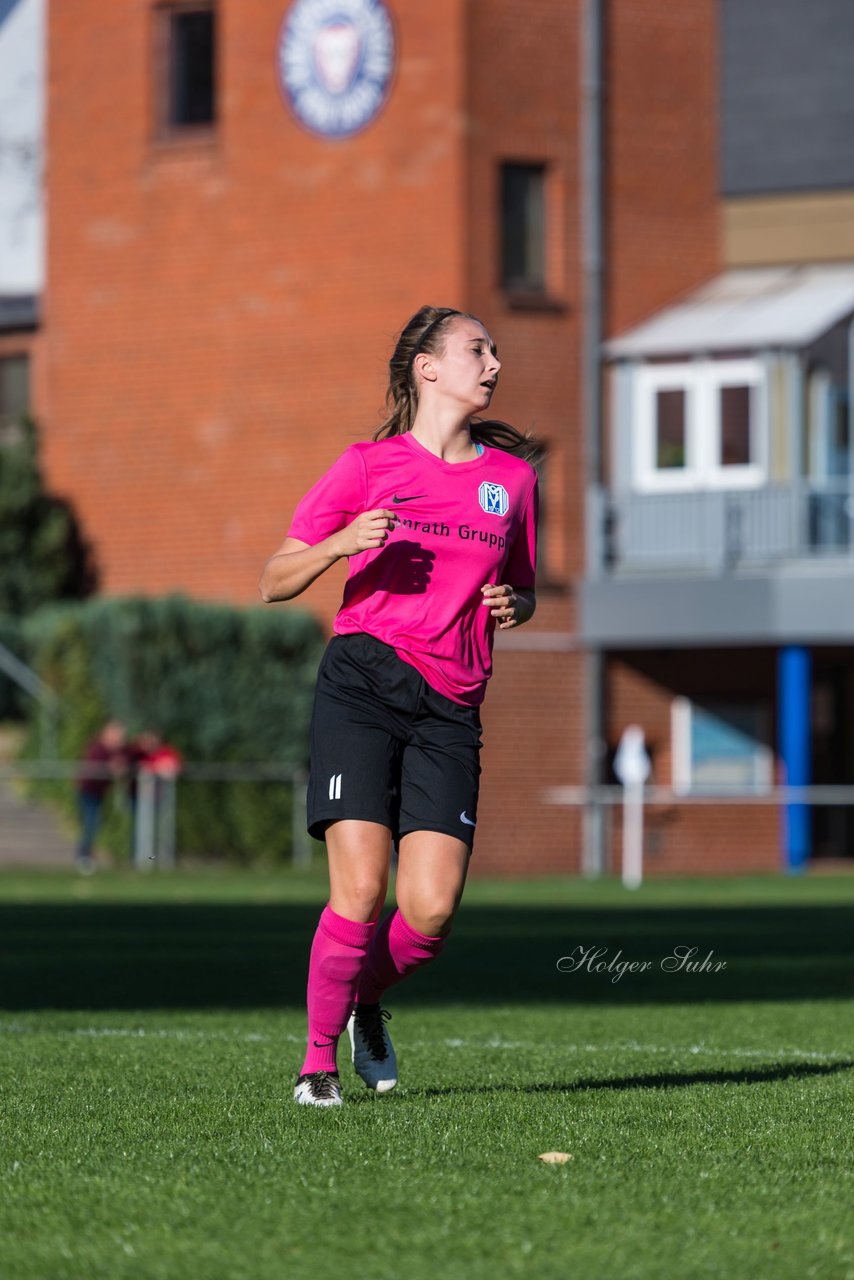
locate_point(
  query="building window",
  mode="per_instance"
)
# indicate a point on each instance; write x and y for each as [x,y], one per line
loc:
[720,745]
[735,415]
[670,428]
[188,71]
[14,389]
[830,462]
[523,228]
[829,434]
[699,425]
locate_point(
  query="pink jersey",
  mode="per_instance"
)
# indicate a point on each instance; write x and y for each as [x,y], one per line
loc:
[460,526]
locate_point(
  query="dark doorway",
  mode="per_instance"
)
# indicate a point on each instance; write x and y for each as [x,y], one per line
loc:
[833,752]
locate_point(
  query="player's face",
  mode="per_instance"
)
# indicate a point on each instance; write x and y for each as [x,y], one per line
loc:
[467,369]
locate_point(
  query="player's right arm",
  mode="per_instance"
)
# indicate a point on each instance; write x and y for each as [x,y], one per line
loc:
[296,564]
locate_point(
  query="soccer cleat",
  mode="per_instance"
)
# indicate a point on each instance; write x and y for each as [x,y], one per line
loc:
[373,1053]
[318,1089]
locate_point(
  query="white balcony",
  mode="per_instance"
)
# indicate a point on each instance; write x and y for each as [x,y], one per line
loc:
[721,530]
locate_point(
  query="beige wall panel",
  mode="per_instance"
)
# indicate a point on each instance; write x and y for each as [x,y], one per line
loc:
[818,227]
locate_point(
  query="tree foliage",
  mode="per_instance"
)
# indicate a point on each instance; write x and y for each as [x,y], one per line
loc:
[43,554]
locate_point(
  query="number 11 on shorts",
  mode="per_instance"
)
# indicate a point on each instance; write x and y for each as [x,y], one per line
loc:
[335,787]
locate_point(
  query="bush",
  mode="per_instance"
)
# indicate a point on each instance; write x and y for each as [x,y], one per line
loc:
[43,553]
[222,684]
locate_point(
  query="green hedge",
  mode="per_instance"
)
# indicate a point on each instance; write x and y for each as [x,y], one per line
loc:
[222,684]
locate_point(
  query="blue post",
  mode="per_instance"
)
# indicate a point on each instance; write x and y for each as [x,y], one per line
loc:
[794,677]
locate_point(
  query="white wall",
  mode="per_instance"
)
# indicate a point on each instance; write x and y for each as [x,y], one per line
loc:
[22,84]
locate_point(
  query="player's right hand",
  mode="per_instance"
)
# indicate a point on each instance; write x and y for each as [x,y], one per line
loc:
[367,532]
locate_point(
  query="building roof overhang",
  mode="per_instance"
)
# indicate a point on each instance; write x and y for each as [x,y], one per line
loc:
[749,309]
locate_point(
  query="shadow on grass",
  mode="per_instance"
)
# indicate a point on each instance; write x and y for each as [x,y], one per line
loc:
[652,1080]
[206,956]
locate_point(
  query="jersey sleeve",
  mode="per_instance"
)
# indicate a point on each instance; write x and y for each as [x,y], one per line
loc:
[520,568]
[337,498]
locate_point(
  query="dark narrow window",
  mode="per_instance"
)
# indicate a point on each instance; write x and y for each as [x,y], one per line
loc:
[670,429]
[14,389]
[735,406]
[190,79]
[523,227]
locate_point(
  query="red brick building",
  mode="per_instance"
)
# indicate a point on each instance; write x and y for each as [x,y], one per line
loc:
[222,295]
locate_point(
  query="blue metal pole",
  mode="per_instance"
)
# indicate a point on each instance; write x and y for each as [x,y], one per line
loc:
[794,678]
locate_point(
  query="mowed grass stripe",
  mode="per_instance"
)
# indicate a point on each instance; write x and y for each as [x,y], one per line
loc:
[709,1130]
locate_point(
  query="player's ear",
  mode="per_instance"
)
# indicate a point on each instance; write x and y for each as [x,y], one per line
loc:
[424,364]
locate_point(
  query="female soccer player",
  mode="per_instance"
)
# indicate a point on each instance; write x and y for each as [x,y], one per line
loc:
[437,516]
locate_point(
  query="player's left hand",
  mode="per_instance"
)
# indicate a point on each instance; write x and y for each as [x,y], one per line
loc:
[503,603]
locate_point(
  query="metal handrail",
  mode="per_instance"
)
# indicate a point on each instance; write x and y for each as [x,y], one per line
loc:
[207,771]
[155,812]
[49,701]
[657,795]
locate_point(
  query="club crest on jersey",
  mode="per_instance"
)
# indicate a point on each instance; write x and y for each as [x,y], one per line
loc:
[335,62]
[493,498]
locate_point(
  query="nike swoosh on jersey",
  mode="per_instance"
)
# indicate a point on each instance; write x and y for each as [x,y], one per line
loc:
[410,498]
[467,820]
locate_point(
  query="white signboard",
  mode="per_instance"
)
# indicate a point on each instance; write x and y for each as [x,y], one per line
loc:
[22,41]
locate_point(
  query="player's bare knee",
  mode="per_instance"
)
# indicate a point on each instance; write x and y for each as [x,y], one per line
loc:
[434,920]
[365,898]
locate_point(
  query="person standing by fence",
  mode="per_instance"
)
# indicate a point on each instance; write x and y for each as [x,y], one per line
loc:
[104,759]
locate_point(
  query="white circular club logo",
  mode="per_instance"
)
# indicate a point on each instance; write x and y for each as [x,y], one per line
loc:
[335,60]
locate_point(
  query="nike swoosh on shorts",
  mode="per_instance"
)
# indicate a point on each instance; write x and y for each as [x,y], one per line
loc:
[466,820]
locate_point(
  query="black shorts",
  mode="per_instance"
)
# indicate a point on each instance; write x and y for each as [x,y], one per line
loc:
[387,748]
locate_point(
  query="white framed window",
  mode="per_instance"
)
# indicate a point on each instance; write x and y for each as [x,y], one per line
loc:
[699,425]
[719,745]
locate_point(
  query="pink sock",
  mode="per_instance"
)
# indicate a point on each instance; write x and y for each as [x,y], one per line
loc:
[337,957]
[395,951]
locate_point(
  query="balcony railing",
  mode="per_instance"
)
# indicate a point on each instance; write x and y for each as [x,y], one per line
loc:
[721,530]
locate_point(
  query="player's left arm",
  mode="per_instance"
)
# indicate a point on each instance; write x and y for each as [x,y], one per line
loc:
[509,606]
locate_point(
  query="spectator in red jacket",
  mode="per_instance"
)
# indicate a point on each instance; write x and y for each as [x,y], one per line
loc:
[104,759]
[148,753]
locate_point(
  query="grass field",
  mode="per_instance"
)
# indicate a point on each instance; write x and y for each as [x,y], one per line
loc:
[151,1028]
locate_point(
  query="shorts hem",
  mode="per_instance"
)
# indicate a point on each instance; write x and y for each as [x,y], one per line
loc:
[320,821]
[442,830]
